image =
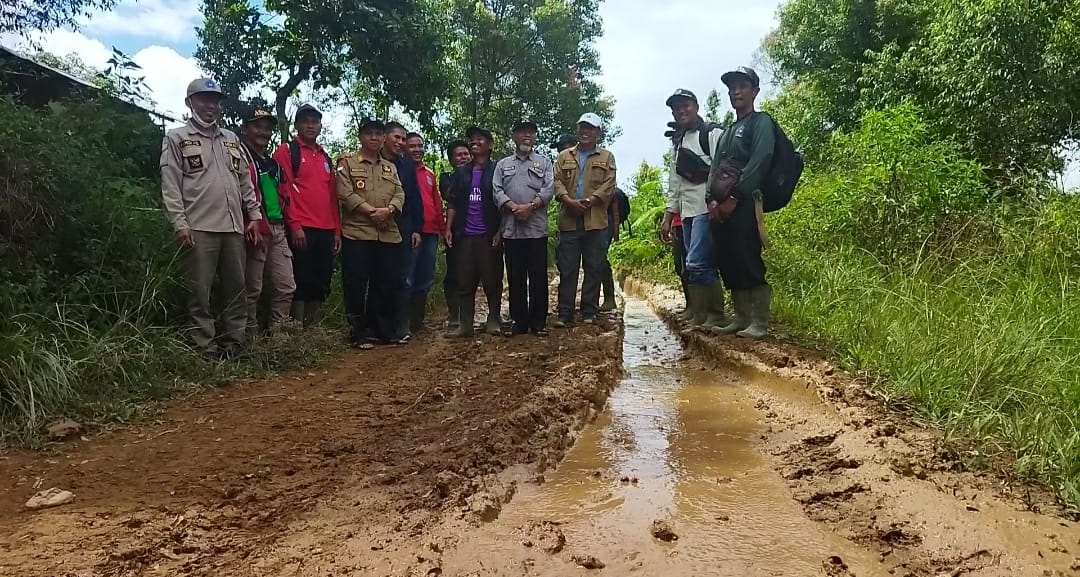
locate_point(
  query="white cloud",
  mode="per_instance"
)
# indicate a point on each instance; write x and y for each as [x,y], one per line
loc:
[650,48]
[165,71]
[162,20]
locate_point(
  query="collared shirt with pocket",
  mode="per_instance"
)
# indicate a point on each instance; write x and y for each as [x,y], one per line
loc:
[522,180]
[205,181]
[360,180]
[600,174]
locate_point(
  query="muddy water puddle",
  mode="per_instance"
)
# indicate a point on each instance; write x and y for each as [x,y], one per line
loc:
[676,444]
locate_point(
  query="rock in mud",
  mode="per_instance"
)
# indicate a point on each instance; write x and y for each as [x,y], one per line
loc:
[662,530]
[445,482]
[62,429]
[485,506]
[53,497]
[545,535]
[587,561]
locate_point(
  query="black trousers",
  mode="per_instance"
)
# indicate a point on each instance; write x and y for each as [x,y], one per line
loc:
[450,283]
[369,277]
[678,251]
[526,267]
[479,264]
[737,247]
[580,250]
[313,267]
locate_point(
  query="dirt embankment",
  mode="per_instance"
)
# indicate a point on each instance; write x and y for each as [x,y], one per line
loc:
[344,470]
[883,480]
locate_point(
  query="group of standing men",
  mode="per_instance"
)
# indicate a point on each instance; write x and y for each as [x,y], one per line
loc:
[714,212]
[246,215]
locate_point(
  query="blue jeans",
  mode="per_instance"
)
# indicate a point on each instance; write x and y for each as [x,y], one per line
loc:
[420,271]
[697,240]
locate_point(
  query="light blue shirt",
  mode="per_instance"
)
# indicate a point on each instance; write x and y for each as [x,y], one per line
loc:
[582,156]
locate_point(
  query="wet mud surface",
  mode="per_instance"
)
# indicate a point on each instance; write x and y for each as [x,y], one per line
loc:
[349,469]
[711,456]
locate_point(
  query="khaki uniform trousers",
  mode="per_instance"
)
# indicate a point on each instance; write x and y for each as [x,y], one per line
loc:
[217,255]
[270,261]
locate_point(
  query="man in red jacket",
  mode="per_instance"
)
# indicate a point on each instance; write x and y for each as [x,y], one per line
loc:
[270,257]
[421,278]
[313,220]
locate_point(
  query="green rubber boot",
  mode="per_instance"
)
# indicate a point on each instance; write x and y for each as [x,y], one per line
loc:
[685,314]
[759,313]
[699,304]
[742,303]
[714,314]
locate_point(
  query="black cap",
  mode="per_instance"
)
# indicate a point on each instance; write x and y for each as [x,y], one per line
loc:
[744,72]
[564,140]
[259,113]
[474,130]
[681,93]
[307,110]
[525,123]
[371,124]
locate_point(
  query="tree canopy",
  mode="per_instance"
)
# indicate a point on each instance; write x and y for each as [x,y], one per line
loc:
[396,47]
[21,16]
[993,75]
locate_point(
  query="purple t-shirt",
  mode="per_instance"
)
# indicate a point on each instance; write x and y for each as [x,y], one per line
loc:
[474,219]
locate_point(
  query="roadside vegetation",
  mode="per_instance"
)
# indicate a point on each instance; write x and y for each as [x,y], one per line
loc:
[930,244]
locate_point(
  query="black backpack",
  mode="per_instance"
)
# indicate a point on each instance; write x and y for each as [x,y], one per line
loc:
[624,209]
[294,155]
[784,172]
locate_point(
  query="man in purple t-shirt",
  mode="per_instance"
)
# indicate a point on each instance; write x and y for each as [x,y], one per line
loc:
[472,229]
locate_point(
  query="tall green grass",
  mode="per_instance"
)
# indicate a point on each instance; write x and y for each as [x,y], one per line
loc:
[91,322]
[962,301]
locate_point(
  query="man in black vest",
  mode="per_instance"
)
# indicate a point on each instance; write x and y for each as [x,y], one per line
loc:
[473,230]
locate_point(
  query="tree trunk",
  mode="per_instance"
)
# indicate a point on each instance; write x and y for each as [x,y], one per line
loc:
[281,98]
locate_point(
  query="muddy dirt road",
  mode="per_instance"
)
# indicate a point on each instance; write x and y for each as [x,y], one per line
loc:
[725,458]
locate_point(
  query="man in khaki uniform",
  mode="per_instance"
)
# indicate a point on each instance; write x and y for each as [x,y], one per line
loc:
[208,197]
[584,186]
[371,196]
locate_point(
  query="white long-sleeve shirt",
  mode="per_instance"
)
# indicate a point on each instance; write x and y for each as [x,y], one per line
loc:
[683,198]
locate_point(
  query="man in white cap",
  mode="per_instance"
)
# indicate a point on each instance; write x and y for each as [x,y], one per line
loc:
[208,197]
[584,186]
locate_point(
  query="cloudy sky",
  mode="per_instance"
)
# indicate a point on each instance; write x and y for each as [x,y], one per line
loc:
[649,48]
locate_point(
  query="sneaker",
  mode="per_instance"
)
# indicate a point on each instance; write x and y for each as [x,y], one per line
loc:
[588,321]
[561,324]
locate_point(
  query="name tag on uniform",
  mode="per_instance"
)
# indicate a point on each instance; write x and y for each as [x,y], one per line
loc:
[509,169]
[536,169]
[231,145]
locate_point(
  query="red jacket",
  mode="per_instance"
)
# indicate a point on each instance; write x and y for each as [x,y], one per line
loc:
[434,219]
[312,193]
[283,194]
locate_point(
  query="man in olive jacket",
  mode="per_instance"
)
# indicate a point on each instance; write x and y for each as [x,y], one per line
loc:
[584,187]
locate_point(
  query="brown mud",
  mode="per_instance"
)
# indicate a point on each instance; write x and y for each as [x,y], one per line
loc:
[726,457]
[351,469]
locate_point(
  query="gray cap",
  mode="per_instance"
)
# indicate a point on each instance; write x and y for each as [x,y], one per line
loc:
[307,110]
[744,72]
[200,85]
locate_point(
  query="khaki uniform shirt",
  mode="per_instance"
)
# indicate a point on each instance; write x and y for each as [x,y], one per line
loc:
[205,183]
[522,180]
[599,187]
[376,183]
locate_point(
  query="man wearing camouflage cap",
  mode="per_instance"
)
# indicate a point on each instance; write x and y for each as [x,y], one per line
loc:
[211,204]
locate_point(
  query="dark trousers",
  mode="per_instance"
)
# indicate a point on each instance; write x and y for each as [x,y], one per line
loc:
[449,284]
[526,266]
[678,251]
[479,264]
[313,267]
[738,249]
[402,266]
[577,250]
[369,276]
